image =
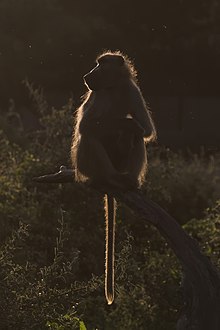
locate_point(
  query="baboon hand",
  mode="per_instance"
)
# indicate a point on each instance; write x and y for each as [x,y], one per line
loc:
[131,125]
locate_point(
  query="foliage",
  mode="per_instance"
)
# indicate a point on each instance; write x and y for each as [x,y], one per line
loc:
[206,231]
[34,297]
[184,185]
[52,236]
[14,194]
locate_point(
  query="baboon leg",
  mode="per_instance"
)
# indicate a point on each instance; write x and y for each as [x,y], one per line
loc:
[137,161]
[94,162]
[92,159]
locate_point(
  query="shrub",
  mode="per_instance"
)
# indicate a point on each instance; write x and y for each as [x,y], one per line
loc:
[46,276]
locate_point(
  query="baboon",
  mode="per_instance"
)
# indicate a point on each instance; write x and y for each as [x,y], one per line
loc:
[113,124]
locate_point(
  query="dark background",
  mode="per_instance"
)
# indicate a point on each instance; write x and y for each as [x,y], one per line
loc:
[175,45]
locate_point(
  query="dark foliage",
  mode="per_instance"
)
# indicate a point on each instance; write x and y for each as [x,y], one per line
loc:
[52,236]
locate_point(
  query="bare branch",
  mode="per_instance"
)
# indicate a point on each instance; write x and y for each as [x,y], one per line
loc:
[201,285]
[63,176]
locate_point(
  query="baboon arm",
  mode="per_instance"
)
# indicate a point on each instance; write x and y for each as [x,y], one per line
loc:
[89,126]
[111,126]
[98,127]
[130,125]
[141,114]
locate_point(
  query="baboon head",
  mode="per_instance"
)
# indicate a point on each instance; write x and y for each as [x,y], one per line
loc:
[112,69]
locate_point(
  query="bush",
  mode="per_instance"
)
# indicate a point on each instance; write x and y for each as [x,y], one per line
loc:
[52,236]
[185,185]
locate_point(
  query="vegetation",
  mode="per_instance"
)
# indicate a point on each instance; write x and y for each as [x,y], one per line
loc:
[52,236]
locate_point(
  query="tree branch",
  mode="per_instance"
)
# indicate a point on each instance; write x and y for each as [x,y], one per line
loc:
[201,285]
[63,176]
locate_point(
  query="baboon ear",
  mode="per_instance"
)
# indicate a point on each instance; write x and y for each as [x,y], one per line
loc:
[120,60]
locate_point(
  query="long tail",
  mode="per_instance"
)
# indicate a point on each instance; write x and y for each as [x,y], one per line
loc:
[110,209]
